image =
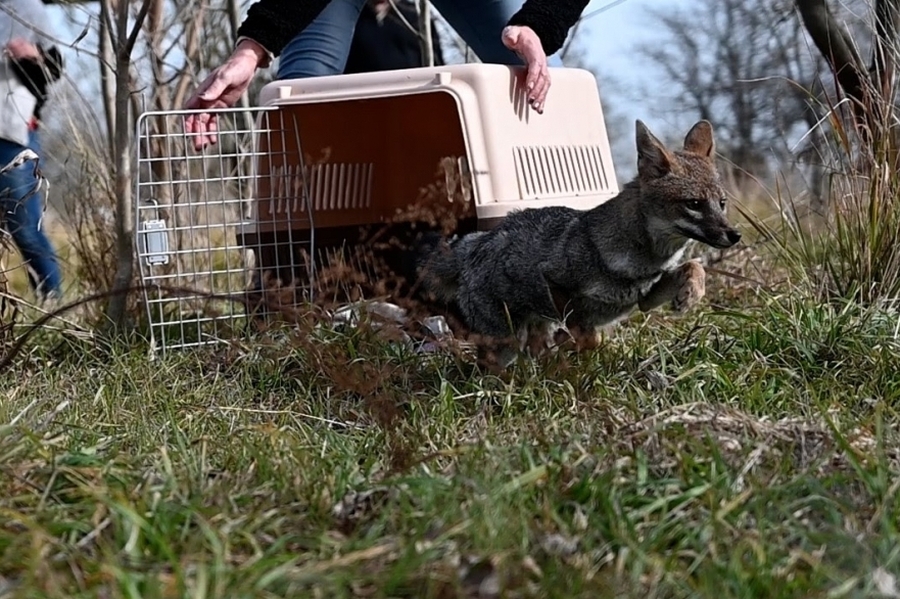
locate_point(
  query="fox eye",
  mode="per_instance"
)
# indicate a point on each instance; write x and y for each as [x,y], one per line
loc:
[695,205]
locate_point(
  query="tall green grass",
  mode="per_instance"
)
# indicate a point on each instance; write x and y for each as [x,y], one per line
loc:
[850,251]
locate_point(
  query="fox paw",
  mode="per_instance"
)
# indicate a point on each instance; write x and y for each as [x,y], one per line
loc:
[692,287]
[586,339]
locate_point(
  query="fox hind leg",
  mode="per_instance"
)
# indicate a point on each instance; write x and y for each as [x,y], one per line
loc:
[510,314]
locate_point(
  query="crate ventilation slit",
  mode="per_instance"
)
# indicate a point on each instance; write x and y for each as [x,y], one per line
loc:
[332,186]
[560,170]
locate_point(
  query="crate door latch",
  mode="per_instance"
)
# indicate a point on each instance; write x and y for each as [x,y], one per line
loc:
[155,239]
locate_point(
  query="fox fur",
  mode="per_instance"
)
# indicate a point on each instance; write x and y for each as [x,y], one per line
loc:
[543,269]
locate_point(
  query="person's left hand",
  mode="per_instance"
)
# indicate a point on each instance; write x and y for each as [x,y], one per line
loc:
[525,42]
[21,49]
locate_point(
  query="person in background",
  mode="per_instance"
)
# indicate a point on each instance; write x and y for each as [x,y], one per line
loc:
[313,38]
[382,41]
[30,63]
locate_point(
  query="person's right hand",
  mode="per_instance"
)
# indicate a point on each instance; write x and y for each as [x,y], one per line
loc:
[222,89]
[525,42]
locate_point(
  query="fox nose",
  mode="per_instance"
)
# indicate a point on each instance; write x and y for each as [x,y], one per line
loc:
[733,236]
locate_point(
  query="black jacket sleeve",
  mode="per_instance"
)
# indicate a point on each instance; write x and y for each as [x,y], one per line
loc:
[38,75]
[274,23]
[550,20]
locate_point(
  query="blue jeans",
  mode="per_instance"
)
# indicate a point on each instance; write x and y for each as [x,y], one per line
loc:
[21,217]
[322,48]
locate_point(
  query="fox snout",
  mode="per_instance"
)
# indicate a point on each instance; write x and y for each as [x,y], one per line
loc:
[726,239]
[705,222]
[718,235]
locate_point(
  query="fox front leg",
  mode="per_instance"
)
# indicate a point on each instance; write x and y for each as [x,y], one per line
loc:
[684,287]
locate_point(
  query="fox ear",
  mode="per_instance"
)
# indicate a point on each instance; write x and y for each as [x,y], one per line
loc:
[699,139]
[653,159]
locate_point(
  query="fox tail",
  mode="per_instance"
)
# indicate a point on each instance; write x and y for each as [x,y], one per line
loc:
[438,266]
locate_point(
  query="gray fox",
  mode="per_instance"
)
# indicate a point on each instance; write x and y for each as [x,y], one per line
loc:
[548,269]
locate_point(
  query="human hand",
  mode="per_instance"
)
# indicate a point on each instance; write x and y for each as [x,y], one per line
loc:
[222,89]
[21,49]
[525,42]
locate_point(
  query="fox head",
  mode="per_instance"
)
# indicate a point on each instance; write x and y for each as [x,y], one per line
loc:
[681,194]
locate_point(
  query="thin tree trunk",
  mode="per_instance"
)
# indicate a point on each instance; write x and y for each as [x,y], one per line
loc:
[107,77]
[870,89]
[234,15]
[426,41]
[246,185]
[837,48]
[124,44]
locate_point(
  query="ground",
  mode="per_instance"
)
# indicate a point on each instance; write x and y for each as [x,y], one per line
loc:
[746,449]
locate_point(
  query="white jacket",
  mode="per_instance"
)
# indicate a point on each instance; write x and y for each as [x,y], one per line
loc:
[18,19]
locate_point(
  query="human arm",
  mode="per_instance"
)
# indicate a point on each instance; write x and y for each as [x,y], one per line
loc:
[550,20]
[274,23]
[538,29]
[267,29]
[271,24]
[222,89]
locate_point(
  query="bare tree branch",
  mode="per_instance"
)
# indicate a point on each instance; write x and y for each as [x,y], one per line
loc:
[884,50]
[748,66]
[426,42]
[107,75]
[837,48]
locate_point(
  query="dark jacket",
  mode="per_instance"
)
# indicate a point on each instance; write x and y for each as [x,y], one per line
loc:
[390,44]
[274,23]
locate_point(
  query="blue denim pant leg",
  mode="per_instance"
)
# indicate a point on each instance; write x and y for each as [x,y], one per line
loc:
[322,48]
[22,213]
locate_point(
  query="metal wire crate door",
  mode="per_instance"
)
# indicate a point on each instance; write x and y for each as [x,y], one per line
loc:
[203,219]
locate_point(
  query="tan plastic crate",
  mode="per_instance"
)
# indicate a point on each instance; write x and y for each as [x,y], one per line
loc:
[372,142]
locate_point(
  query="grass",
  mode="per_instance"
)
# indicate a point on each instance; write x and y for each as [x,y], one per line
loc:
[740,451]
[747,449]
